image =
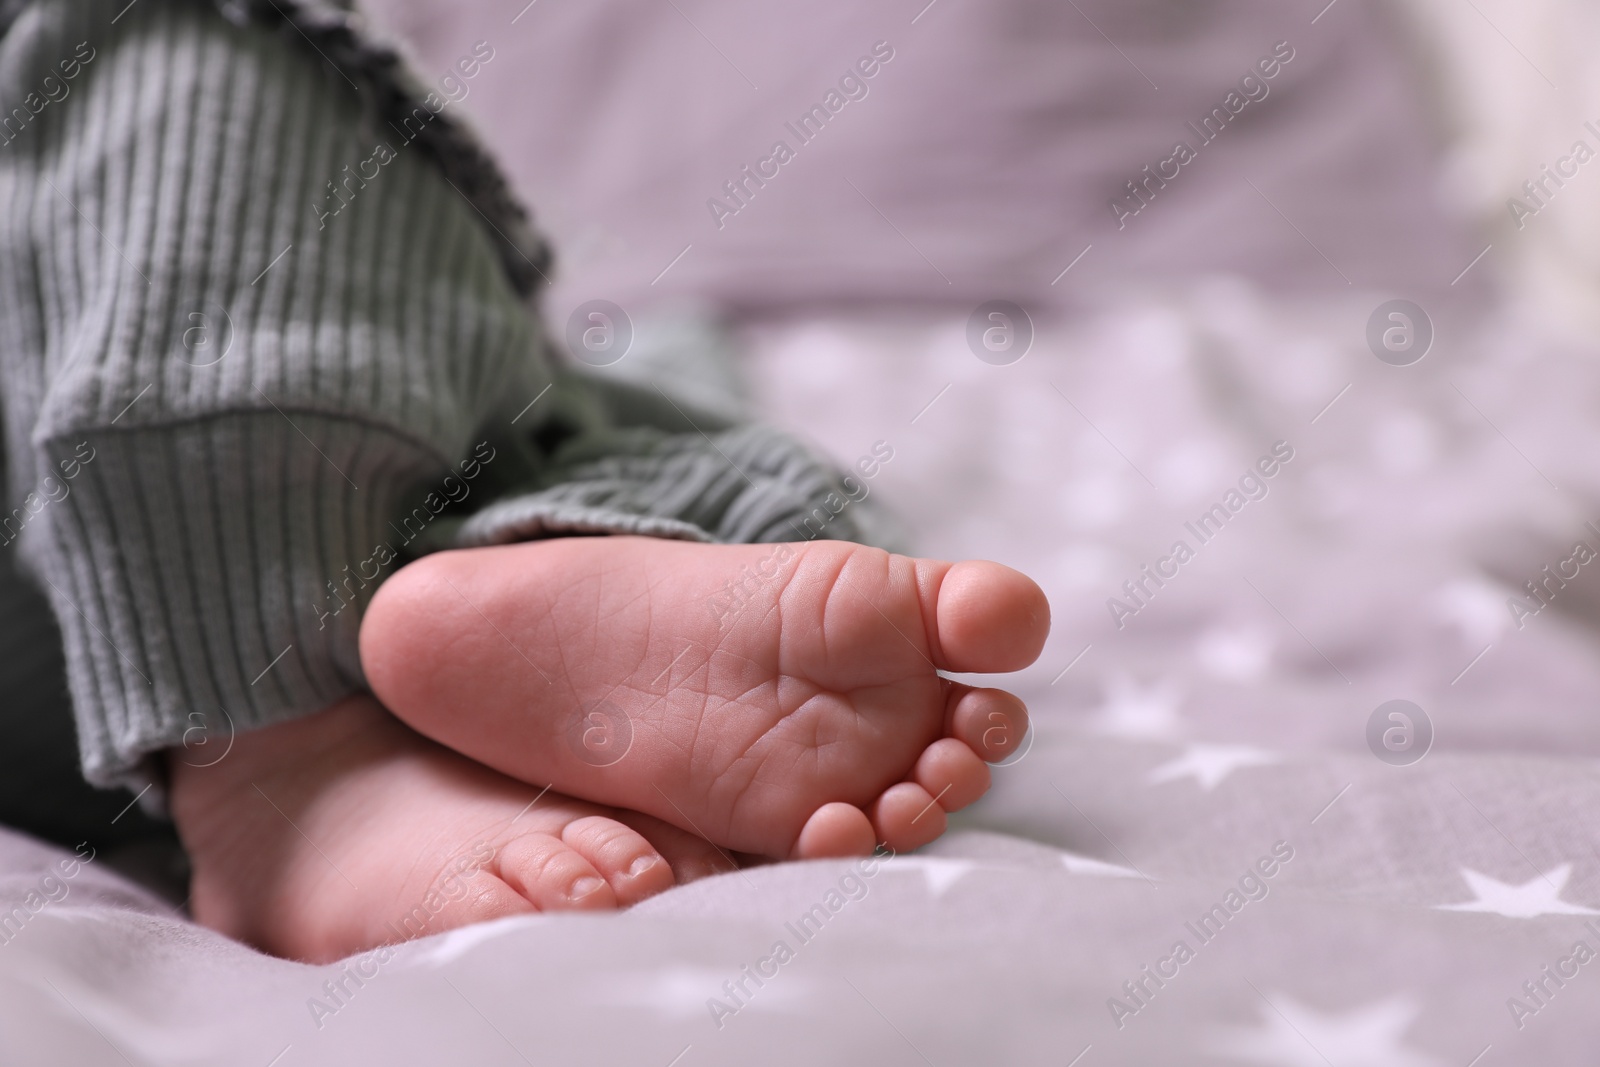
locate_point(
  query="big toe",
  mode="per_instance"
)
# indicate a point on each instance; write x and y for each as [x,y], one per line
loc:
[991,618]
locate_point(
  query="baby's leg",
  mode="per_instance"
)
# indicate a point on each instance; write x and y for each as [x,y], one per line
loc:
[781,700]
[343,831]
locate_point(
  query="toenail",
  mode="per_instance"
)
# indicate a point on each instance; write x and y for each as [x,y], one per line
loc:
[643,864]
[584,886]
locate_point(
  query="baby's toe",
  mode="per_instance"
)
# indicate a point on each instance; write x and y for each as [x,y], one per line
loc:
[951,773]
[992,722]
[691,857]
[907,817]
[990,618]
[553,875]
[835,830]
[630,865]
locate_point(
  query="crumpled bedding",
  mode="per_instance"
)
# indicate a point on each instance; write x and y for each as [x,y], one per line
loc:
[1203,776]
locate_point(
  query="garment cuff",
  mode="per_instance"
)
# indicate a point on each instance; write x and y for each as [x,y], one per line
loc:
[210,576]
[747,485]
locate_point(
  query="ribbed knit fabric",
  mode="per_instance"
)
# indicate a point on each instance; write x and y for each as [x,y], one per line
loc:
[253,341]
[763,489]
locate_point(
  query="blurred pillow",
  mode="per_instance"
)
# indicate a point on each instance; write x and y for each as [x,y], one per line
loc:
[977,160]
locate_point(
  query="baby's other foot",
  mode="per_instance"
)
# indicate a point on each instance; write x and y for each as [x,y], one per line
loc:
[782,700]
[337,833]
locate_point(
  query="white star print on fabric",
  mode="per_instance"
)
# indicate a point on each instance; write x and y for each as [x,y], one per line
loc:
[1137,711]
[1290,1034]
[1234,653]
[1210,765]
[1474,608]
[1528,900]
[939,873]
[1093,868]
[461,941]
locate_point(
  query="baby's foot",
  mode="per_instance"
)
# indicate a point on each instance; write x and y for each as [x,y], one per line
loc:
[330,835]
[797,713]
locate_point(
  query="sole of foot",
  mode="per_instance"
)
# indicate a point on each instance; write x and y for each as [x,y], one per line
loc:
[782,700]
